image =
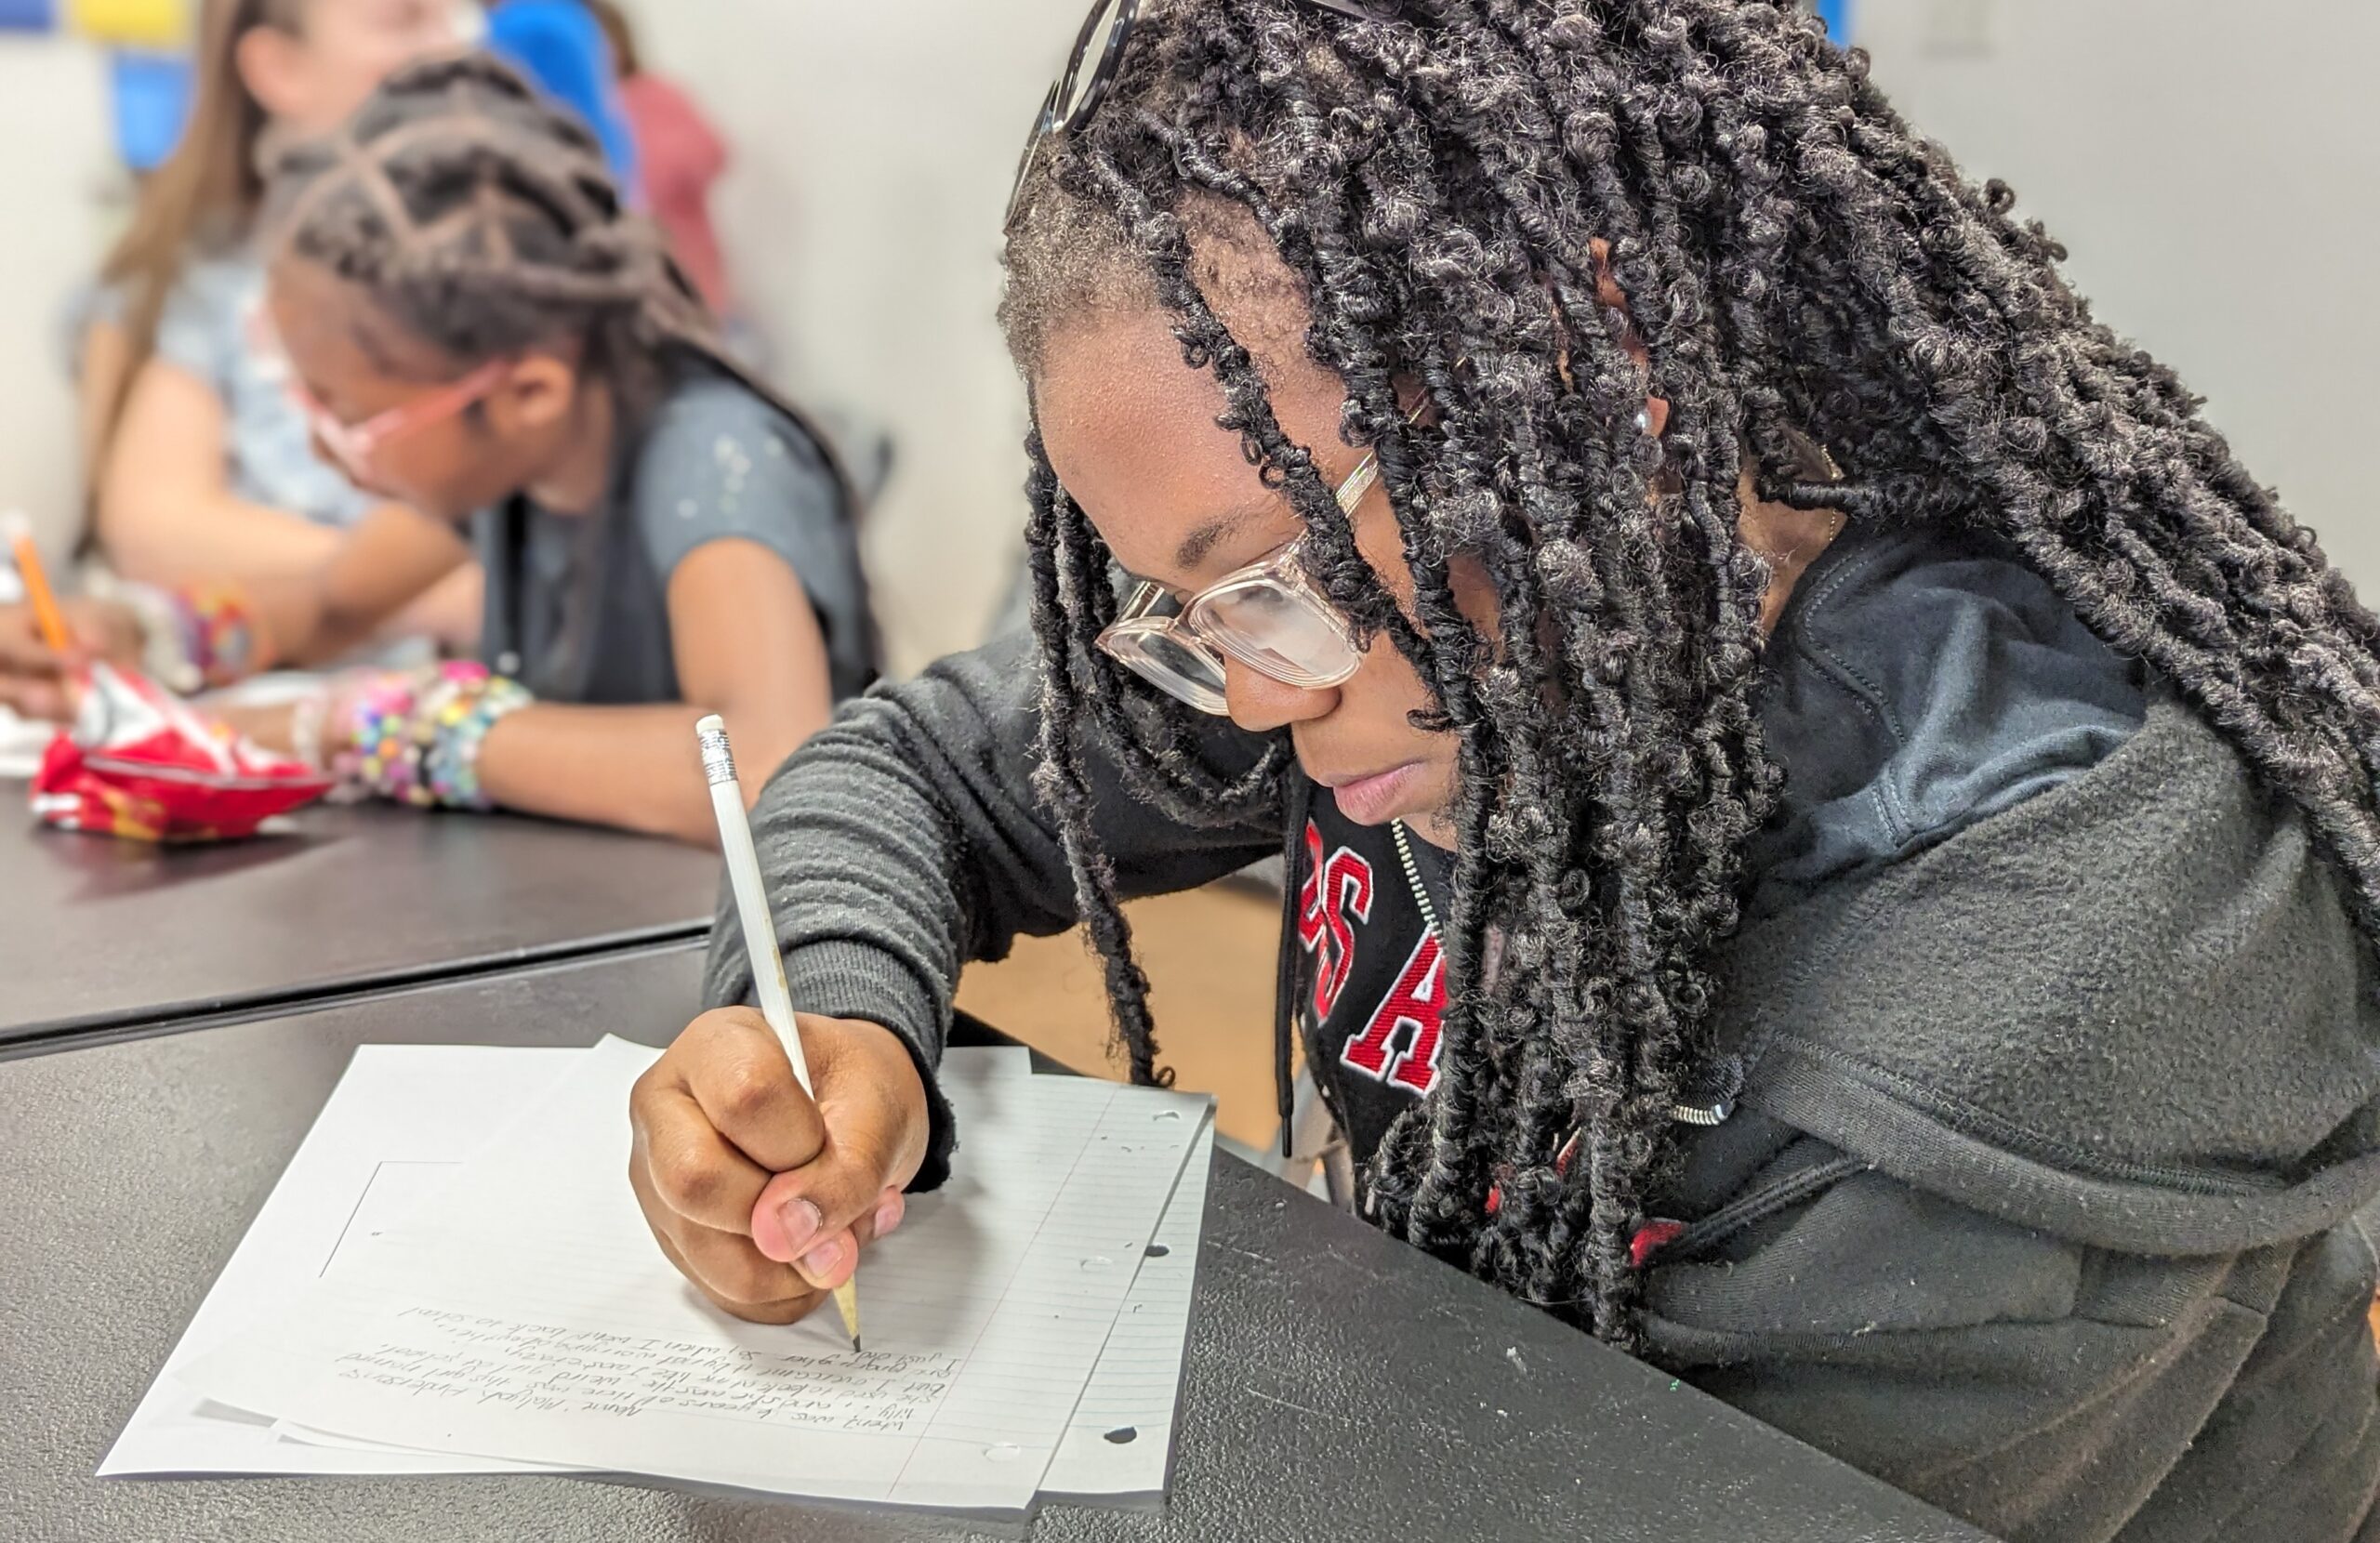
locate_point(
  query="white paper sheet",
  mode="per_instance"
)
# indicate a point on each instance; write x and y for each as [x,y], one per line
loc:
[22,744]
[1121,1440]
[401,1116]
[553,1331]
[1119,1443]
[401,1120]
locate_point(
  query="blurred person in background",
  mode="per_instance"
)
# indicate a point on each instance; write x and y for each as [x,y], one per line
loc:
[199,466]
[562,48]
[680,155]
[478,328]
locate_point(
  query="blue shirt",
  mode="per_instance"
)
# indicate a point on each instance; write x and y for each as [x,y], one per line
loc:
[562,48]
[206,330]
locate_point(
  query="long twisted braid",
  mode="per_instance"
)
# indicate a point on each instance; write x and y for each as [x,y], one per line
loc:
[485,223]
[1438,184]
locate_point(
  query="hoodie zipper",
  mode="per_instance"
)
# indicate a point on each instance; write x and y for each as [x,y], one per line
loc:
[1707,1114]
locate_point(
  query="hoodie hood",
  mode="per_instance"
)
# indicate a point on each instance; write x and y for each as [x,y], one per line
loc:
[2161,1034]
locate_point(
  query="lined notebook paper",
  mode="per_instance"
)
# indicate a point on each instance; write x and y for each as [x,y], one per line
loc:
[1121,1442]
[486,1327]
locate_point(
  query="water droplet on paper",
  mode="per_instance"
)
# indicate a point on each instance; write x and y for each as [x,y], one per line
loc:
[1098,1261]
[1168,1114]
[1124,1435]
[1003,1452]
[1157,1250]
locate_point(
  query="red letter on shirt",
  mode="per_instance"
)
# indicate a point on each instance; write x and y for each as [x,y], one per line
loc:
[1331,892]
[1418,1000]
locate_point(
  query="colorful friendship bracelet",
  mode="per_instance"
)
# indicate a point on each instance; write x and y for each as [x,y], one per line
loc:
[414,737]
[220,634]
[197,637]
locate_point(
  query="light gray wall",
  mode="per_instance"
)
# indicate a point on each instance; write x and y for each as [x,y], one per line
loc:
[55,166]
[875,144]
[2214,168]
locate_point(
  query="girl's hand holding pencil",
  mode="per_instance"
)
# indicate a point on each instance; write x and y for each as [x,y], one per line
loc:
[42,642]
[34,674]
[760,1196]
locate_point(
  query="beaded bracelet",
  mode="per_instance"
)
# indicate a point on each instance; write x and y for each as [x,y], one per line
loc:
[414,737]
[197,637]
[221,636]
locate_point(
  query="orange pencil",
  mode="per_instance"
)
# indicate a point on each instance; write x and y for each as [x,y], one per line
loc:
[20,544]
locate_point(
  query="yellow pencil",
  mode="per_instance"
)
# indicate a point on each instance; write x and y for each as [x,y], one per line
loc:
[761,934]
[46,612]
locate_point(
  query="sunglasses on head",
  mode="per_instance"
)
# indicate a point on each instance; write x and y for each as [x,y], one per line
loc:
[1091,71]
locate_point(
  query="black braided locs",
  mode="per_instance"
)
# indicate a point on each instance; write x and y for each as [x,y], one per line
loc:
[485,222]
[1803,270]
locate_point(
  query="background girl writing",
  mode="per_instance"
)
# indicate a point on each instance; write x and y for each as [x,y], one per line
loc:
[481,333]
[198,462]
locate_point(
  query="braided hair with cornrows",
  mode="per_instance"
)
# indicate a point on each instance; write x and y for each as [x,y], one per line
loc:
[485,223]
[1435,184]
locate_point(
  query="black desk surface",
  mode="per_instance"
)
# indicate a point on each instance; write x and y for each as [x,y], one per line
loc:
[1339,1385]
[97,933]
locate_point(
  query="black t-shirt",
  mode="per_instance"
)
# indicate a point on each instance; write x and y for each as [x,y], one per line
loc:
[1373,978]
[1920,682]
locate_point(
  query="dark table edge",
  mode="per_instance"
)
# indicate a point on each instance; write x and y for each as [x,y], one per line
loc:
[253,1007]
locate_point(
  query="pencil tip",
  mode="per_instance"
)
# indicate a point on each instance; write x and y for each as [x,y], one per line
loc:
[854,1342]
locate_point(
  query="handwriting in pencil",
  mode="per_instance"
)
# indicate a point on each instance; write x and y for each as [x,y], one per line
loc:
[436,1354]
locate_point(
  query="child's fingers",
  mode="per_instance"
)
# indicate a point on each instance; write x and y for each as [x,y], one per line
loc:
[889,1209]
[722,1264]
[758,1309]
[823,1260]
[734,1274]
[104,631]
[685,1164]
[22,648]
[801,1211]
[43,699]
[736,1071]
[819,1215]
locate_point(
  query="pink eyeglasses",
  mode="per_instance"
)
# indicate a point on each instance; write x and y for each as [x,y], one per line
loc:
[353,445]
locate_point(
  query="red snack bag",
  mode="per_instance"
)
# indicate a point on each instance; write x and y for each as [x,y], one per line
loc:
[139,762]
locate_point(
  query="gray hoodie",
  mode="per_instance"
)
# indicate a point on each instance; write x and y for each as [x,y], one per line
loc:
[2038,1200]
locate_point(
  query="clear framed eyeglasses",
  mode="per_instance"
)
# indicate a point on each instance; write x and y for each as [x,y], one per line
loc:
[1268,616]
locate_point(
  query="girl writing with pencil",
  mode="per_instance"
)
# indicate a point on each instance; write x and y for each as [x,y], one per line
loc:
[200,466]
[1832,824]
[481,331]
